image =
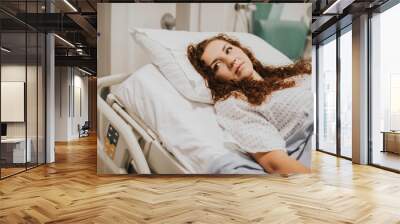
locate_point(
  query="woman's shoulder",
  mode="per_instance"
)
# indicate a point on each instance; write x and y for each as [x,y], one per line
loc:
[299,78]
[303,80]
[234,100]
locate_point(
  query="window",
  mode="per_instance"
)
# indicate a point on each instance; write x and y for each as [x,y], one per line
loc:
[385,89]
[327,96]
[394,102]
[346,93]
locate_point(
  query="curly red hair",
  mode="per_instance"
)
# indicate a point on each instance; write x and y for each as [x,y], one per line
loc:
[255,91]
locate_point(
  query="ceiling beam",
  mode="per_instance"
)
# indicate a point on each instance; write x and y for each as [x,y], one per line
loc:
[320,22]
[84,24]
[84,61]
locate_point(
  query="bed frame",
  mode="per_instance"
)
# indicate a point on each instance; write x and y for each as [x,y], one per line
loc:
[125,144]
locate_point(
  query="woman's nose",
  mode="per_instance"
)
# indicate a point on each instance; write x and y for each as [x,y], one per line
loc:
[233,61]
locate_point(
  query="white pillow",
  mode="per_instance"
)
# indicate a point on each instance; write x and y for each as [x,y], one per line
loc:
[167,50]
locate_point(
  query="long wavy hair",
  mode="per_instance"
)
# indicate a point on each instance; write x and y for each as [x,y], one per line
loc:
[255,91]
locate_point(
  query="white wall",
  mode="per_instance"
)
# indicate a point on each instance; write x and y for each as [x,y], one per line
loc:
[187,16]
[153,13]
[221,16]
[14,73]
[17,73]
[33,126]
[125,55]
[61,103]
[80,118]
[218,17]
[117,52]
[103,39]
[66,119]
[296,12]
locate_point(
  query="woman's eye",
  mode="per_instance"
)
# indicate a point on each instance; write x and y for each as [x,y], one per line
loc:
[216,66]
[228,50]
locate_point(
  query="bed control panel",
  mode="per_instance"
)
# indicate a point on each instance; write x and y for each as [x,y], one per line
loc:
[115,147]
[111,141]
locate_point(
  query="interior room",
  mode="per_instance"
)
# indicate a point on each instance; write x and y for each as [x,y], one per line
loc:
[56,57]
[42,77]
[289,23]
[22,99]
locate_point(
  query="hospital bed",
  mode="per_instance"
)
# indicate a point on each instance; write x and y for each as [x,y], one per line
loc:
[130,144]
[129,140]
[148,126]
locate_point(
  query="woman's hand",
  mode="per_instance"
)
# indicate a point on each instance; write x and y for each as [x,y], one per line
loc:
[277,161]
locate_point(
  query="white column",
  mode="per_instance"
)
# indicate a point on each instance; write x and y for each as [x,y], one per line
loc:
[50,99]
[360,90]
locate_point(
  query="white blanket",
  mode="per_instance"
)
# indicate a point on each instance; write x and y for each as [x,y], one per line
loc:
[188,130]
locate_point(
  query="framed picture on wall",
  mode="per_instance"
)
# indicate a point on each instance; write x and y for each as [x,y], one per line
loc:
[12,101]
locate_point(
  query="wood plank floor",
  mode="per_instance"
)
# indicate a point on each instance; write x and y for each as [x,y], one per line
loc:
[69,191]
[10,171]
[387,159]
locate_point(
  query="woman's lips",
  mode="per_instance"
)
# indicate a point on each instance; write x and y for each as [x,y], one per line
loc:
[239,68]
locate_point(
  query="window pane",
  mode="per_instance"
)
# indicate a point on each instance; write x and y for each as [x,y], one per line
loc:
[313,80]
[327,97]
[346,94]
[385,89]
[13,86]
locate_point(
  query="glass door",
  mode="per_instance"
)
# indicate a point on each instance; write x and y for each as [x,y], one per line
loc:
[22,77]
[13,103]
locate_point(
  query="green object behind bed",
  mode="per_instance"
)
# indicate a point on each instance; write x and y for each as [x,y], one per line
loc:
[289,37]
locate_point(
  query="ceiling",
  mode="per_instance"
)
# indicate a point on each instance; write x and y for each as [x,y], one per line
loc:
[331,16]
[76,22]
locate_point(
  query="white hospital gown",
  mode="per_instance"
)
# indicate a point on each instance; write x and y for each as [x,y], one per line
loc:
[269,126]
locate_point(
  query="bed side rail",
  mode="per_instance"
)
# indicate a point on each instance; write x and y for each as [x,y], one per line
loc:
[106,112]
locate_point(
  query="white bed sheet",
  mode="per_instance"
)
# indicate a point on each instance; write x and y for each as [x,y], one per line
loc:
[189,130]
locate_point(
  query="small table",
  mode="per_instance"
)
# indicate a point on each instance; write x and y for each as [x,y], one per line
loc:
[391,141]
[13,150]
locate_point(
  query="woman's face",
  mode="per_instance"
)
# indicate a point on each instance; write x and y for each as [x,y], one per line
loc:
[227,61]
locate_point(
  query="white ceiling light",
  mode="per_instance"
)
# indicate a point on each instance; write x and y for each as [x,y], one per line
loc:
[80,51]
[5,50]
[84,71]
[65,41]
[338,6]
[70,5]
[332,8]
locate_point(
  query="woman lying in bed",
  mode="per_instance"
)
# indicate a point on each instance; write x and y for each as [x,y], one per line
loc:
[267,110]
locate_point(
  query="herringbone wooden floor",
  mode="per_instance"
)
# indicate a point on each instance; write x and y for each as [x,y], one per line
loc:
[69,191]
